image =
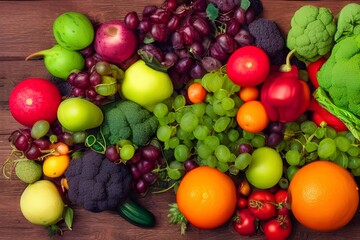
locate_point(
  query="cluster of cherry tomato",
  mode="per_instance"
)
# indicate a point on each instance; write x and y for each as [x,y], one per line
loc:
[263,211]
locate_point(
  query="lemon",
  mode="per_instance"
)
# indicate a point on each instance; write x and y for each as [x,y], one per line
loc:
[41,203]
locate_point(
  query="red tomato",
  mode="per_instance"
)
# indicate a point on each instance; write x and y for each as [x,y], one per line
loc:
[241,202]
[320,114]
[261,204]
[280,200]
[278,228]
[34,99]
[313,68]
[244,222]
[248,66]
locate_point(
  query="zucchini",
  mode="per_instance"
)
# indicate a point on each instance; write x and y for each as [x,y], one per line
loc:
[136,214]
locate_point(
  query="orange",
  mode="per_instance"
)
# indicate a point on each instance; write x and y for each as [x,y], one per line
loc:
[196,93]
[249,93]
[206,197]
[252,116]
[323,196]
[56,165]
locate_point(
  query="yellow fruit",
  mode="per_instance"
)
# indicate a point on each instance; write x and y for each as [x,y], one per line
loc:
[41,203]
[55,166]
[323,196]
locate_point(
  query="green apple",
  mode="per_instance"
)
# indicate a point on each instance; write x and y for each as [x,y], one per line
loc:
[145,85]
[265,169]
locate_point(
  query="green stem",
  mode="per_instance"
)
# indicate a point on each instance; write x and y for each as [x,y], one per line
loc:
[287,66]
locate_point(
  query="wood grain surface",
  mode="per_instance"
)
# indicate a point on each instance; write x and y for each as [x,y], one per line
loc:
[25,27]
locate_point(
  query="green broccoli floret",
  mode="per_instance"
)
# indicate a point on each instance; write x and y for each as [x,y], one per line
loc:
[340,74]
[348,21]
[312,32]
[124,119]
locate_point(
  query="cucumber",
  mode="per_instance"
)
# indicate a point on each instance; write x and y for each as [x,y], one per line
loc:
[136,214]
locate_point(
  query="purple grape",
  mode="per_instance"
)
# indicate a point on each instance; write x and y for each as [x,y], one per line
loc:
[90,62]
[197,71]
[274,139]
[42,143]
[177,40]
[160,15]
[250,15]
[218,52]
[148,10]
[22,142]
[112,153]
[199,5]
[210,64]
[66,138]
[190,164]
[244,38]
[33,152]
[170,59]
[150,153]
[245,148]
[173,23]
[27,133]
[182,53]
[144,25]
[132,20]
[226,42]
[91,93]
[171,5]
[87,52]
[77,92]
[201,25]
[135,171]
[197,50]
[277,127]
[152,51]
[140,186]
[240,15]
[82,80]
[136,158]
[14,135]
[158,32]
[189,34]
[71,77]
[95,78]
[56,128]
[183,65]
[233,27]
[150,178]
[145,166]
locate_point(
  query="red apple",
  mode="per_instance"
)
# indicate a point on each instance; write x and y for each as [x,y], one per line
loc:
[115,42]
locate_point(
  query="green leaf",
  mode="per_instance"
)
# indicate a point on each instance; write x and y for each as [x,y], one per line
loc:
[69,217]
[212,12]
[245,4]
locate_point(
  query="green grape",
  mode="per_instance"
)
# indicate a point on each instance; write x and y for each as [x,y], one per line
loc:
[40,129]
[179,114]
[258,141]
[290,171]
[163,121]
[79,137]
[227,103]
[218,109]
[326,148]
[356,172]
[342,143]
[164,133]
[210,112]
[221,124]
[237,100]
[211,161]
[127,152]
[179,102]
[198,109]
[296,145]
[330,132]
[311,157]
[233,135]
[230,85]
[181,152]
[354,162]
[207,121]
[222,166]
[221,94]
[203,151]
[212,141]
[174,174]
[209,98]
[171,117]
[311,147]
[222,153]
[212,81]
[173,142]
[188,143]
[201,132]
[183,135]
[233,170]
[320,133]
[283,183]
[248,135]
[293,157]
[308,127]
[232,113]
[353,151]
[342,160]
[243,160]
[350,136]
[223,137]
[189,121]
[160,110]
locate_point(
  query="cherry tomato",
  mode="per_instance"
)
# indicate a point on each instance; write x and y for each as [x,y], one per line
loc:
[278,228]
[244,222]
[313,68]
[280,200]
[248,66]
[261,204]
[241,202]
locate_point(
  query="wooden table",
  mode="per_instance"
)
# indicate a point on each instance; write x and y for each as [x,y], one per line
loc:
[25,27]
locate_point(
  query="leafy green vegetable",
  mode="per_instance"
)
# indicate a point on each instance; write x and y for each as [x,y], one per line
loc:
[245,4]
[176,217]
[339,76]
[349,119]
[311,33]
[348,21]
[68,217]
[212,12]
